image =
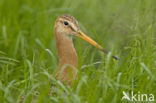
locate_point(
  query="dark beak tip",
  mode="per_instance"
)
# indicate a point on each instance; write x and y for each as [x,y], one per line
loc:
[115,57]
[108,52]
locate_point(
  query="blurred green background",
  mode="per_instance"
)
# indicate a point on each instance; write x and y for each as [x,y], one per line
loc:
[28,57]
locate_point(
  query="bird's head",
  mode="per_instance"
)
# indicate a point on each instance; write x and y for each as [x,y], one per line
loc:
[67,26]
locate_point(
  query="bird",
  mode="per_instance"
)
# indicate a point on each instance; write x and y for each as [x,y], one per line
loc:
[65,27]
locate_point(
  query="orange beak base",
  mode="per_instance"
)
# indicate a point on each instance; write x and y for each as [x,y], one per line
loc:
[92,42]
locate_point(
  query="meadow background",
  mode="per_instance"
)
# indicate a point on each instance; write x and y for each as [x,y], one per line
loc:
[28,58]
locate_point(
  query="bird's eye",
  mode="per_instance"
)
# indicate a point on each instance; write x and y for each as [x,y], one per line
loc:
[66,23]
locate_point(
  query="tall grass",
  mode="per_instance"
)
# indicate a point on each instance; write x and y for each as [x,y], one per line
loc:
[28,58]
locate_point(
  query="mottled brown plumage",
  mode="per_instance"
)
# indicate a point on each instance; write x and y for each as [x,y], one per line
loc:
[68,59]
[65,27]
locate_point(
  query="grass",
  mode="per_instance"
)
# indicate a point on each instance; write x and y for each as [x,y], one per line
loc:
[28,58]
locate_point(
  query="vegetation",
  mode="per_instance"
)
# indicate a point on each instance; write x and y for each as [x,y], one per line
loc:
[28,57]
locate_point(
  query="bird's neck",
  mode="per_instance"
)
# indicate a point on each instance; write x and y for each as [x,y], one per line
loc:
[66,51]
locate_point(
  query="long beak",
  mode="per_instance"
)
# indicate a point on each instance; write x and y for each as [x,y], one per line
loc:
[92,42]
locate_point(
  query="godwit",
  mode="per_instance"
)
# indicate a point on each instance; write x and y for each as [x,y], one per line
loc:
[65,27]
